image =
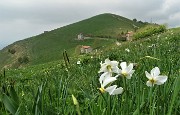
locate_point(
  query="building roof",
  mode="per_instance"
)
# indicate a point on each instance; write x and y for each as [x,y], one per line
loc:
[86,47]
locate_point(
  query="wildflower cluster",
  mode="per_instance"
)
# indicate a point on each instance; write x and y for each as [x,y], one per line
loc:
[110,68]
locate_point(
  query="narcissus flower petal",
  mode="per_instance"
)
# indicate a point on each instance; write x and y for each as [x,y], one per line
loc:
[108,80]
[155,71]
[125,70]
[113,90]
[109,66]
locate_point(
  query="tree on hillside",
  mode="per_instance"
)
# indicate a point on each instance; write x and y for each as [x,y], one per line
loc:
[12,51]
[134,20]
[122,33]
[23,59]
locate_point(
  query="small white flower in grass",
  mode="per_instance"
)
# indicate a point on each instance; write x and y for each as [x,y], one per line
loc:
[118,44]
[155,78]
[125,70]
[127,50]
[78,62]
[109,66]
[105,81]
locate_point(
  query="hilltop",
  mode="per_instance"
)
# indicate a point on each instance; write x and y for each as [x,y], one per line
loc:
[48,46]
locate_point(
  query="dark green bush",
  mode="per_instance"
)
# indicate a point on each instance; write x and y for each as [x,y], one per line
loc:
[23,59]
[150,30]
[12,51]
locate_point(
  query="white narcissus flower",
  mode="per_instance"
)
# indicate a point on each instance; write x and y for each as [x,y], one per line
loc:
[155,78]
[127,50]
[109,66]
[105,80]
[125,70]
[78,62]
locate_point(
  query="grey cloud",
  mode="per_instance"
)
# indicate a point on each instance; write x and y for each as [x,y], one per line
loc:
[25,18]
[40,14]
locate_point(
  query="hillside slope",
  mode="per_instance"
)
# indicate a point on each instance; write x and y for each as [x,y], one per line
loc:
[54,84]
[48,46]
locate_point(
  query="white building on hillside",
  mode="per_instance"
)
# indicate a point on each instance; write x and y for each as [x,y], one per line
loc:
[80,36]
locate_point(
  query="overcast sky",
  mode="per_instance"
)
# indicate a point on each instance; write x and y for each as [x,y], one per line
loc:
[20,19]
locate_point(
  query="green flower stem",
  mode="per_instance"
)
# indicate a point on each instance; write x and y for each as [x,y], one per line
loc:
[78,109]
[151,104]
[110,107]
[139,95]
[126,95]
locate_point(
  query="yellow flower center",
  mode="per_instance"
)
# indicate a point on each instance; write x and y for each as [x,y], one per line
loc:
[124,73]
[102,90]
[152,81]
[109,67]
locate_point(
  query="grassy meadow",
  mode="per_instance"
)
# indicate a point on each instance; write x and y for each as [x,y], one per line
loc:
[47,89]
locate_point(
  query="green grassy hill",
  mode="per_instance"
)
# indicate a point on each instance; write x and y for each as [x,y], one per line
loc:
[49,46]
[48,88]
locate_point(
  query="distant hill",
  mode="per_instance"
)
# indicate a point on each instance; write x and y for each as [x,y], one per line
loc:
[49,45]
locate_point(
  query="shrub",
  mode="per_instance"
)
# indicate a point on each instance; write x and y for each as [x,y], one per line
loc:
[12,51]
[23,59]
[134,20]
[150,30]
